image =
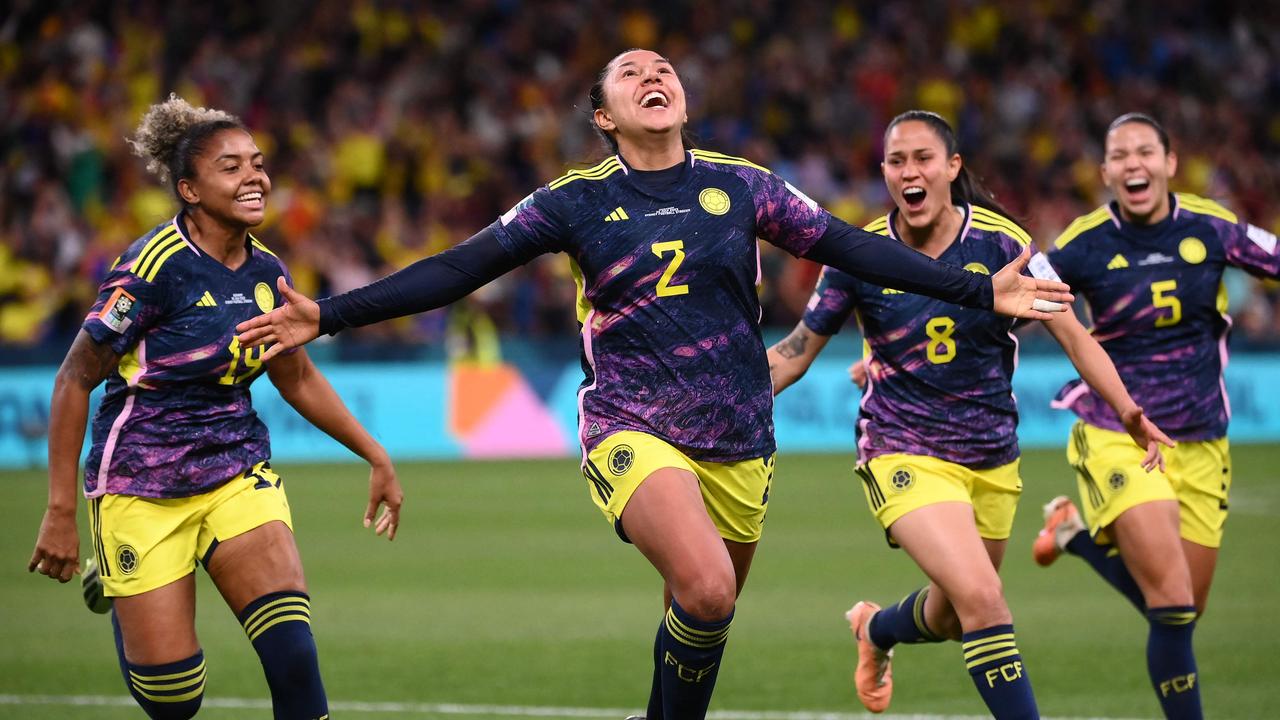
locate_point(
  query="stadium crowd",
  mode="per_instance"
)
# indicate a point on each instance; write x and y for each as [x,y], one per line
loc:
[397,129]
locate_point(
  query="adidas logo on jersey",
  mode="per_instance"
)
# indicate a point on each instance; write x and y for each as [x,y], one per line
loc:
[1117,262]
[206,300]
[617,215]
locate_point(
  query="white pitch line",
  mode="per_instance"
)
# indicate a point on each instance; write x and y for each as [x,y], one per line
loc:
[429,709]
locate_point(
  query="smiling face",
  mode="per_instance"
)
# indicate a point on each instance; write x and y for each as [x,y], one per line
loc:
[918,172]
[1137,171]
[231,182]
[642,98]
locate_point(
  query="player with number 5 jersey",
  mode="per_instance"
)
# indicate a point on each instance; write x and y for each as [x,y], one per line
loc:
[1150,265]
[179,470]
[937,443]
[675,412]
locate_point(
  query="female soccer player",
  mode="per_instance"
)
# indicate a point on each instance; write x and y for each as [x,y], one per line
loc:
[675,413]
[1150,264]
[178,471]
[937,450]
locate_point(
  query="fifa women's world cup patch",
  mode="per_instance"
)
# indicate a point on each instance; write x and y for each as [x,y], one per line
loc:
[119,311]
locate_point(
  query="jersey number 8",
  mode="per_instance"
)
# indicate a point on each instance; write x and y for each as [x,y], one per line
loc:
[942,347]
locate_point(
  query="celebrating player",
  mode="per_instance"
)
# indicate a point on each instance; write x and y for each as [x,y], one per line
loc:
[675,413]
[937,450]
[178,471]
[1150,265]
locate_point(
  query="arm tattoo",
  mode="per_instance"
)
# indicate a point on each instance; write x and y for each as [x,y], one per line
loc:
[87,363]
[793,345]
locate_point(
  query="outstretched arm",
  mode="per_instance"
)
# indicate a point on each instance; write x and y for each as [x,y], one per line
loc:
[791,357]
[57,551]
[427,284]
[303,386]
[886,262]
[1099,372]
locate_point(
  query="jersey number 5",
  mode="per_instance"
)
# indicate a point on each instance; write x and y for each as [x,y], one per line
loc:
[1161,300]
[665,289]
[251,363]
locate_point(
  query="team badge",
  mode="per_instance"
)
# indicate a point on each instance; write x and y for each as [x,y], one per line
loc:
[118,312]
[264,297]
[714,201]
[127,559]
[1192,250]
[1116,479]
[902,479]
[977,267]
[620,459]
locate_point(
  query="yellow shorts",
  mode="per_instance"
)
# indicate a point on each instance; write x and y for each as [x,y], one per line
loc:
[143,543]
[897,484]
[736,494]
[1111,480]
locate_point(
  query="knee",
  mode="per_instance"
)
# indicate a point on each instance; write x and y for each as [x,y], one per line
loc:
[709,599]
[1170,589]
[981,606]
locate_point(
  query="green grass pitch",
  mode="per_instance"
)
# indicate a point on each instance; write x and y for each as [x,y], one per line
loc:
[507,587]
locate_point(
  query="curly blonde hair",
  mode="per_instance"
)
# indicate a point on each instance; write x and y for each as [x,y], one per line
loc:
[160,136]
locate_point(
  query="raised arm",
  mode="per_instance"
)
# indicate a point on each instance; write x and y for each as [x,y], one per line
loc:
[1099,372]
[427,284]
[886,262]
[791,357]
[87,364]
[303,386]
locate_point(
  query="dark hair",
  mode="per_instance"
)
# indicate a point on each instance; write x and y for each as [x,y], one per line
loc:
[596,98]
[1145,119]
[965,188]
[173,134]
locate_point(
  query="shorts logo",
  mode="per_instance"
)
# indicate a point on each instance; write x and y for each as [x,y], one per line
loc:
[620,459]
[1116,479]
[714,201]
[901,479]
[977,267]
[127,559]
[265,298]
[1192,250]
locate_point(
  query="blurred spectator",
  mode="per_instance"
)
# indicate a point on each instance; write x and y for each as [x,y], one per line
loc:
[396,129]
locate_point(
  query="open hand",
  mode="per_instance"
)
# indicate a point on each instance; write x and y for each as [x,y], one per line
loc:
[1018,295]
[384,489]
[291,325]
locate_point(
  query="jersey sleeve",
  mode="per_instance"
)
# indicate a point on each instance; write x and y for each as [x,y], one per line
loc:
[785,216]
[127,306]
[1250,248]
[833,301]
[536,225]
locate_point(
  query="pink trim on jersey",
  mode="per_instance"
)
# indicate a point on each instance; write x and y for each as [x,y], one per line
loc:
[1012,394]
[1222,358]
[691,158]
[109,448]
[1176,208]
[1114,218]
[968,218]
[625,171]
[582,394]
[185,239]
[864,441]
[1071,397]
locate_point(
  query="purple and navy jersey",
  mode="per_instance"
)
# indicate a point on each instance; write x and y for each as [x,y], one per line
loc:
[176,418]
[939,376]
[1160,309]
[667,299]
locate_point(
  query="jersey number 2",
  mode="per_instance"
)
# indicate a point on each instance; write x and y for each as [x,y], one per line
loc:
[665,289]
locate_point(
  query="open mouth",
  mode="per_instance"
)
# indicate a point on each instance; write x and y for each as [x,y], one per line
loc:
[654,99]
[914,197]
[252,199]
[1136,187]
